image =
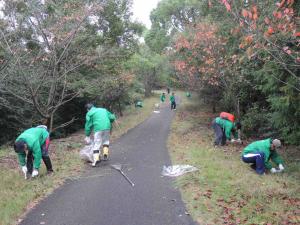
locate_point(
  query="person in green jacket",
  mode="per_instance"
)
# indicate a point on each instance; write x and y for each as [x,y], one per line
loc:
[100,120]
[223,129]
[188,94]
[163,97]
[259,154]
[173,101]
[139,104]
[33,143]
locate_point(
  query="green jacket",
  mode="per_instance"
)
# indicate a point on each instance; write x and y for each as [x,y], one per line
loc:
[188,94]
[98,119]
[172,98]
[35,138]
[226,125]
[139,104]
[265,147]
[162,98]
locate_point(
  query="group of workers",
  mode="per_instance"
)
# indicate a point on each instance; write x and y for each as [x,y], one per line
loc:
[172,100]
[32,145]
[258,154]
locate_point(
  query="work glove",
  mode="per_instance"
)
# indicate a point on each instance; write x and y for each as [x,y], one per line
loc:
[35,172]
[281,168]
[232,140]
[87,140]
[24,170]
[273,170]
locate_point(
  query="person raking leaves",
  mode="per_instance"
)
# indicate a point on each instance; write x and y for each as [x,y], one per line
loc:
[33,143]
[100,120]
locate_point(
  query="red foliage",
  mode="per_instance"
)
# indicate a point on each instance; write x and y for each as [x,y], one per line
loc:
[206,49]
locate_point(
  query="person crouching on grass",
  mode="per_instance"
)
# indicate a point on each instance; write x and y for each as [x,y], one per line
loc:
[33,143]
[259,154]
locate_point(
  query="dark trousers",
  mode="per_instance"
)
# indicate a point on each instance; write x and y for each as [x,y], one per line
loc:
[45,157]
[258,162]
[220,137]
[173,105]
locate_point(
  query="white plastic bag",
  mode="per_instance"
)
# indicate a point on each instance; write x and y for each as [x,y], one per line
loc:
[87,153]
[177,170]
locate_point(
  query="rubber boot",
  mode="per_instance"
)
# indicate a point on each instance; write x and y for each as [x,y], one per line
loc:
[96,157]
[105,153]
[48,164]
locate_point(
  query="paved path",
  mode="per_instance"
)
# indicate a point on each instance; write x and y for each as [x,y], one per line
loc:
[104,197]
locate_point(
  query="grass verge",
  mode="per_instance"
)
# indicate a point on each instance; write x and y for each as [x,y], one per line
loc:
[18,195]
[225,190]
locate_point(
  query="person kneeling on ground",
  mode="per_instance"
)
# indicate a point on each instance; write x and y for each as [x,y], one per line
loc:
[259,154]
[33,143]
[100,120]
[223,129]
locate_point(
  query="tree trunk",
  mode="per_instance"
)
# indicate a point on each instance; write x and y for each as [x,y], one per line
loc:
[120,108]
[214,107]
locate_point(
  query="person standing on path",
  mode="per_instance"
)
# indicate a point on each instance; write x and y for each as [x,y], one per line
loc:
[259,153]
[163,97]
[100,120]
[168,90]
[33,143]
[173,101]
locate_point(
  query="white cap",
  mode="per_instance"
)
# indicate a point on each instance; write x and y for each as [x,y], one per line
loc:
[43,126]
[276,143]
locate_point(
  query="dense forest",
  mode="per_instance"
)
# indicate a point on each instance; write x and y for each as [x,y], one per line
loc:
[240,56]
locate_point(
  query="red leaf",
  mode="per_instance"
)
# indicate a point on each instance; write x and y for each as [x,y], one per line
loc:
[297,34]
[227,5]
[281,3]
[267,20]
[254,8]
[279,15]
[244,13]
[255,16]
[250,15]
[270,30]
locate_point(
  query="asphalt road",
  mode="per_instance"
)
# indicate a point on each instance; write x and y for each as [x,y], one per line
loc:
[102,196]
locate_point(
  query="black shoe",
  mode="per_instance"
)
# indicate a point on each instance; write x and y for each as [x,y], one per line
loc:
[105,157]
[50,172]
[253,166]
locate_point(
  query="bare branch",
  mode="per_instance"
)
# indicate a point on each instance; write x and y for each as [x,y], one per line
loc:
[64,124]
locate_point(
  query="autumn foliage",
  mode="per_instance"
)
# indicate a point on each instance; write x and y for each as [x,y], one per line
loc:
[201,56]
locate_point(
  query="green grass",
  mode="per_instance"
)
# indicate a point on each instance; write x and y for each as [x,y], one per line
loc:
[18,195]
[225,190]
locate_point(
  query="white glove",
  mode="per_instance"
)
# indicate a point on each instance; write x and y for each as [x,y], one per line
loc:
[239,140]
[232,140]
[35,172]
[281,168]
[24,170]
[273,170]
[87,140]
